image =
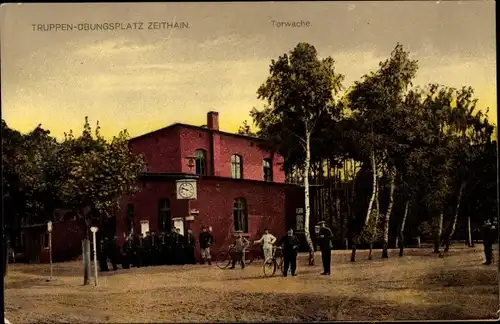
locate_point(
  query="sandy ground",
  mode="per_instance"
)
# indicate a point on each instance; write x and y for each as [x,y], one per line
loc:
[419,286]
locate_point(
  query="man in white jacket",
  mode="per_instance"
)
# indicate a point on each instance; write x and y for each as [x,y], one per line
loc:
[267,240]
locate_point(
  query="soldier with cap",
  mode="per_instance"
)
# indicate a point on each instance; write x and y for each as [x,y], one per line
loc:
[206,239]
[103,258]
[325,244]
[489,236]
[238,248]
[114,252]
[290,245]
[189,247]
[180,247]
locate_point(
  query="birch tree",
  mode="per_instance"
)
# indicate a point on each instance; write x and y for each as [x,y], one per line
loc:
[299,92]
[374,101]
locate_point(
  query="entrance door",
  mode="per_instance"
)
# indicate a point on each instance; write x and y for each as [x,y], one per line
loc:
[144,227]
[179,223]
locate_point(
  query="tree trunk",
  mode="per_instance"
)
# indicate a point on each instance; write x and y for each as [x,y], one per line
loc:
[470,243]
[374,186]
[307,206]
[454,223]
[402,229]
[374,237]
[388,213]
[439,233]
[86,261]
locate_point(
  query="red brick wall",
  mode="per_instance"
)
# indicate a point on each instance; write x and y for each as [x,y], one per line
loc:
[266,207]
[67,239]
[224,147]
[191,140]
[161,150]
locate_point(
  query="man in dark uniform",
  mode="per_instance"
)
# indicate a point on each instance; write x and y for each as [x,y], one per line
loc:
[103,258]
[127,259]
[325,244]
[206,239]
[489,235]
[154,249]
[161,248]
[114,252]
[174,247]
[138,251]
[290,245]
[146,245]
[180,246]
[189,247]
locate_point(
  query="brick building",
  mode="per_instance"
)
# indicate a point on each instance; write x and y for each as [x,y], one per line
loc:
[239,186]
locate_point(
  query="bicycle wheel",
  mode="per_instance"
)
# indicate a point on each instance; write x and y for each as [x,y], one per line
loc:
[223,260]
[269,268]
[279,263]
[249,257]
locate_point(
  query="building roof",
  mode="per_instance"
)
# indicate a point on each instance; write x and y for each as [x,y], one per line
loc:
[201,128]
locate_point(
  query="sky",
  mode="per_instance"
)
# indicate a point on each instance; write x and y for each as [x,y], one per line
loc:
[146,79]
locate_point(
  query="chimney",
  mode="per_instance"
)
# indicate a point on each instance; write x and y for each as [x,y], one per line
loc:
[213,120]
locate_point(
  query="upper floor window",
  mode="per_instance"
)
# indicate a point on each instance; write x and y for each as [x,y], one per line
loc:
[267,166]
[201,161]
[130,217]
[164,215]
[236,166]
[240,213]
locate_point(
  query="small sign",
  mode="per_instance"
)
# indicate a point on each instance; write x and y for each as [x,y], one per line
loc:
[189,218]
[195,212]
[49,226]
[300,223]
[94,229]
[299,210]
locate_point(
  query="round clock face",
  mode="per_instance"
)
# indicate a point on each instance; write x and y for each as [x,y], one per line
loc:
[186,190]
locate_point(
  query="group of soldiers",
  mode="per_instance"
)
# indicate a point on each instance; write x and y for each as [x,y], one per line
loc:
[147,250]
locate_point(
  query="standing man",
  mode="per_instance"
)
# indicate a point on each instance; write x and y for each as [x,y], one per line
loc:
[103,258]
[267,240]
[238,255]
[190,247]
[489,235]
[206,239]
[180,246]
[325,244]
[290,245]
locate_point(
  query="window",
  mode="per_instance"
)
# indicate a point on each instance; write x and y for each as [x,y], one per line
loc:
[240,213]
[201,162]
[130,217]
[268,169]
[164,216]
[236,166]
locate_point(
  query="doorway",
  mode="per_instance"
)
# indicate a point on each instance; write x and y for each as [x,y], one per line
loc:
[179,223]
[144,227]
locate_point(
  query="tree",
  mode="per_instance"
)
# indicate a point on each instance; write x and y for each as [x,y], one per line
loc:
[472,132]
[299,91]
[375,101]
[99,172]
[245,129]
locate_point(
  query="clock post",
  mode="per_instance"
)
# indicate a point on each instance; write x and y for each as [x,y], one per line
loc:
[187,190]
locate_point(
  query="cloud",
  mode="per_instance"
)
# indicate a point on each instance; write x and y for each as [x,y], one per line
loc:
[114,47]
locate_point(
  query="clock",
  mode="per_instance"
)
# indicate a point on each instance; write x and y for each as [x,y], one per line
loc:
[186,190]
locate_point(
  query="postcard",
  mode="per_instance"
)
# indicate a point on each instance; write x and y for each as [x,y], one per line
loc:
[249,161]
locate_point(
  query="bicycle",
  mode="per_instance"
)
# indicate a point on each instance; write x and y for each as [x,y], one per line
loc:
[224,260]
[276,262]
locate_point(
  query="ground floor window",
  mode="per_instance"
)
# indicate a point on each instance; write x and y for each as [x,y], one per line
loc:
[240,213]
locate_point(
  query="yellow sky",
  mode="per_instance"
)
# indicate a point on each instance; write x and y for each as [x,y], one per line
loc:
[146,79]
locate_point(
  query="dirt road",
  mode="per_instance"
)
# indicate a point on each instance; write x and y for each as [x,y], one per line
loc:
[419,286]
